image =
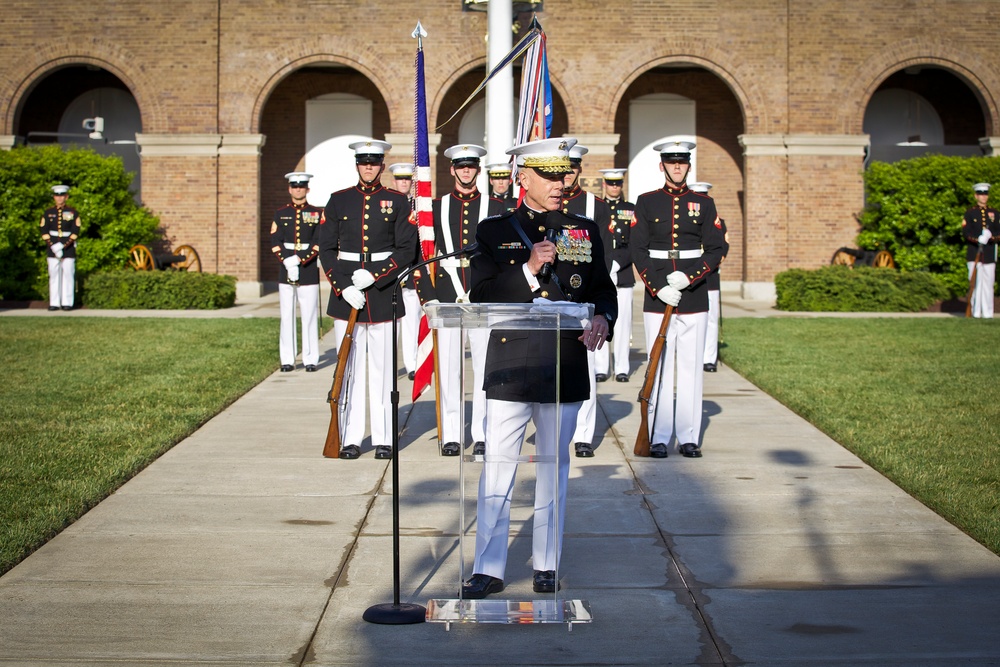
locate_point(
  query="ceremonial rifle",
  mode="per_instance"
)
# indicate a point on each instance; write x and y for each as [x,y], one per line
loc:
[972,282]
[331,449]
[652,370]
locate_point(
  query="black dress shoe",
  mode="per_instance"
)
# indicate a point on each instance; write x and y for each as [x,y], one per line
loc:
[479,449]
[67,307]
[411,374]
[584,450]
[310,368]
[51,308]
[287,368]
[479,586]
[690,450]
[383,452]
[545,581]
[621,377]
[601,377]
[658,450]
[710,368]
[350,452]
[450,449]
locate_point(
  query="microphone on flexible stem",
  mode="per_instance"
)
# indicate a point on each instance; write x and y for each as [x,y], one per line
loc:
[546,271]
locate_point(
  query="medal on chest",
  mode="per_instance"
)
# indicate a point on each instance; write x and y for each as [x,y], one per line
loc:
[386,205]
[574,245]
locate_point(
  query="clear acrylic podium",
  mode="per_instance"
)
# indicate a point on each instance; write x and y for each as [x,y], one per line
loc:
[552,317]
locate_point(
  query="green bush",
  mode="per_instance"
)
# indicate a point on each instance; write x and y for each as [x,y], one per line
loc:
[110,220]
[858,289]
[158,290]
[915,208]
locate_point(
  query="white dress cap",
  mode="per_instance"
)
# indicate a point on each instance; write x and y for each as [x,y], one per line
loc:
[700,186]
[675,146]
[370,148]
[498,170]
[548,155]
[613,174]
[401,170]
[465,153]
[577,152]
[60,189]
[298,178]
[981,187]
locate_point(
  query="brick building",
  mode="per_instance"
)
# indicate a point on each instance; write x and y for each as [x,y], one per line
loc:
[787,99]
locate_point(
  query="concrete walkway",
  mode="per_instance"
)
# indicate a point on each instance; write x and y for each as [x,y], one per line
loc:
[244,546]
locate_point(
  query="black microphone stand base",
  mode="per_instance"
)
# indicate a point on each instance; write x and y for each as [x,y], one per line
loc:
[395,614]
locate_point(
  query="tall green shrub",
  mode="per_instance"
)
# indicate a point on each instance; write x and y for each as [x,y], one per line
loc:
[111,222]
[914,210]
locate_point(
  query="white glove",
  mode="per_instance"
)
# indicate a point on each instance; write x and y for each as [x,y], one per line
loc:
[57,249]
[363,279]
[59,254]
[462,298]
[293,274]
[669,295]
[678,280]
[615,268]
[985,237]
[354,296]
[289,262]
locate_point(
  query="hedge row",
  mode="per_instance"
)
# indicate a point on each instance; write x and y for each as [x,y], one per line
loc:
[858,289]
[158,290]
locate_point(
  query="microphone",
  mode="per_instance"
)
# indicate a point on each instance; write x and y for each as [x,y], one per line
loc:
[546,271]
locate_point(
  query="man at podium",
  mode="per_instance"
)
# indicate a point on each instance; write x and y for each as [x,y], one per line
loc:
[535,252]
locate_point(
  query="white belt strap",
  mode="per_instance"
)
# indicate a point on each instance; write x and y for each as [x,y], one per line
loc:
[296,246]
[590,205]
[451,265]
[357,256]
[675,254]
[60,233]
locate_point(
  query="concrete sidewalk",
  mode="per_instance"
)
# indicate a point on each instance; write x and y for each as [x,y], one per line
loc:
[244,546]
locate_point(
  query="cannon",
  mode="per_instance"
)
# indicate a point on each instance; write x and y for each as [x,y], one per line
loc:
[879,259]
[184,258]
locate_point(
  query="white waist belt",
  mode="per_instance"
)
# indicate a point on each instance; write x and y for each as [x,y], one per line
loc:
[296,246]
[455,262]
[363,256]
[675,254]
[60,233]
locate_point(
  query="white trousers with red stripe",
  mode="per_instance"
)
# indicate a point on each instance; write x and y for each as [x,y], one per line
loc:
[62,281]
[307,299]
[683,356]
[451,355]
[621,343]
[370,366]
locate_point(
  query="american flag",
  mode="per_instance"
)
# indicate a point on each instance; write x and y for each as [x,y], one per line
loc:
[425,217]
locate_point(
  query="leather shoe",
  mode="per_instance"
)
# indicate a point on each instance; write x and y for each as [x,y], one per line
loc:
[584,450]
[658,450]
[383,452]
[690,450]
[411,375]
[350,452]
[621,377]
[479,448]
[310,368]
[287,368]
[479,586]
[67,307]
[545,581]
[601,377]
[710,368]
[450,449]
[51,308]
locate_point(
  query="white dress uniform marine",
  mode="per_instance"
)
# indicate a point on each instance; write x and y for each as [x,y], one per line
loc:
[578,201]
[676,242]
[980,227]
[622,220]
[520,369]
[295,242]
[456,220]
[366,241]
[409,324]
[498,173]
[60,228]
[711,360]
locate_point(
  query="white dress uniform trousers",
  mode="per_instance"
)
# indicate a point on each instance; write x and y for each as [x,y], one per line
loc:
[506,423]
[712,329]
[452,356]
[982,293]
[621,343]
[586,422]
[370,366]
[307,299]
[683,354]
[62,273]
[409,328]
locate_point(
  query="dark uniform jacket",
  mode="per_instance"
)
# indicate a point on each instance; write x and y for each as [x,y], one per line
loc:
[676,219]
[366,221]
[976,219]
[714,281]
[463,223]
[622,220]
[295,231]
[505,202]
[520,365]
[60,225]
[575,203]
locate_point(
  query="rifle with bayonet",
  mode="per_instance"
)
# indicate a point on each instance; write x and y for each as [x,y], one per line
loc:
[652,370]
[331,449]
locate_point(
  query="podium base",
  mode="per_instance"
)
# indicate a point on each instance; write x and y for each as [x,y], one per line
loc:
[393,614]
[511,612]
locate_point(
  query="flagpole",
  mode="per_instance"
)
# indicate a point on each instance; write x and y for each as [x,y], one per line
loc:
[397,613]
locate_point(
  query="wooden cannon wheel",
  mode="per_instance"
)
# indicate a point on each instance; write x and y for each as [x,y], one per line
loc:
[842,258]
[883,260]
[192,262]
[141,258]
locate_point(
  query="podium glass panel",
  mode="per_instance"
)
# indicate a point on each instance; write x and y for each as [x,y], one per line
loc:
[548,316]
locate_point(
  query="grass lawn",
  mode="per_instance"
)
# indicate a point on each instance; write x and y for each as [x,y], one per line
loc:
[86,403]
[915,398]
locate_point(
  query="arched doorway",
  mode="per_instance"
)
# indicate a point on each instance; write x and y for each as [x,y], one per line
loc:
[309,119]
[54,111]
[919,110]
